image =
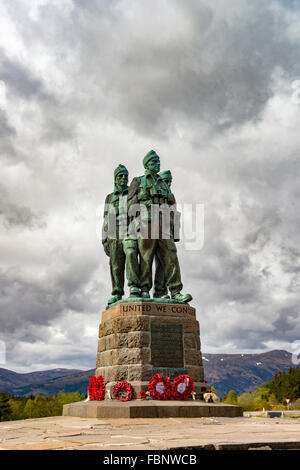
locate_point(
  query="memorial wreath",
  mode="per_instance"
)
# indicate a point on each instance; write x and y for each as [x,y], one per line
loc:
[123,385]
[96,388]
[160,388]
[183,387]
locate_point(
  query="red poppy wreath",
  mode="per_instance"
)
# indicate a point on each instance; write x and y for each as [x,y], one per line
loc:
[183,386]
[123,385]
[96,388]
[160,388]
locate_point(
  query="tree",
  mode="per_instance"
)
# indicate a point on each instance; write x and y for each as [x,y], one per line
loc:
[286,384]
[248,401]
[5,408]
[296,404]
[231,398]
[65,398]
[29,410]
[40,403]
[17,406]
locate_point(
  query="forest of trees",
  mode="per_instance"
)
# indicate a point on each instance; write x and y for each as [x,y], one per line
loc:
[271,395]
[13,407]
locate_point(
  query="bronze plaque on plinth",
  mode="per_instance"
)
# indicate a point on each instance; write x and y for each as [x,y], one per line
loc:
[167,345]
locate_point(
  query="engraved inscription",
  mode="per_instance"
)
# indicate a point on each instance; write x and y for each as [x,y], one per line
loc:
[166,345]
[157,308]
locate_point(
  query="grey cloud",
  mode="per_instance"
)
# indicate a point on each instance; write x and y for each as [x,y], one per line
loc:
[6,130]
[52,355]
[26,304]
[58,124]
[201,67]
[263,222]
[223,275]
[58,127]
[287,325]
[21,80]
[23,303]
[216,71]
[239,278]
[292,4]
[43,325]
[7,134]
[20,216]
[131,73]
[281,325]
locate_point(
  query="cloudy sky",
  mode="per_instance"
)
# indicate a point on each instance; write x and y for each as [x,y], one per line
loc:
[214,87]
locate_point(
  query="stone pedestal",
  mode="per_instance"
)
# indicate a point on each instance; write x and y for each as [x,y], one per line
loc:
[140,339]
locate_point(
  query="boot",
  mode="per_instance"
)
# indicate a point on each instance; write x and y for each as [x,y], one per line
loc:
[114,299]
[134,292]
[158,295]
[181,298]
[145,294]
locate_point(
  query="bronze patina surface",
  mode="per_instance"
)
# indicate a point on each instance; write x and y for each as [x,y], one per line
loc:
[140,210]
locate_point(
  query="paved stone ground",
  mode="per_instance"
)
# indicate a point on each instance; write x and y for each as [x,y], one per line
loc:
[69,433]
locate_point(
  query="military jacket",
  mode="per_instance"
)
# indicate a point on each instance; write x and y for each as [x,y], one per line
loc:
[115,215]
[150,189]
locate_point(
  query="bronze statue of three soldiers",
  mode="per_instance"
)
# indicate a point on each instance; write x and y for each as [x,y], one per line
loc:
[141,224]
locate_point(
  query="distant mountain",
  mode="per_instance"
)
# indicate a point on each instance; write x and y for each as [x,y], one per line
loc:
[47,382]
[243,372]
[239,372]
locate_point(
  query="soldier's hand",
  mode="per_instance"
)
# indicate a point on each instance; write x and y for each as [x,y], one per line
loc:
[142,196]
[171,199]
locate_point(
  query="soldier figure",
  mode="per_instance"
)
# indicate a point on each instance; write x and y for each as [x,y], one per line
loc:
[160,284]
[149,190]
[121,250]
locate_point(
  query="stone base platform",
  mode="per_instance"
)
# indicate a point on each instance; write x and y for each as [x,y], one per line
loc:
[150,409]
[150,435]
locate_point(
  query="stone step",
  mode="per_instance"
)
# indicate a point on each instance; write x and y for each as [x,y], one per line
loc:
[150,409]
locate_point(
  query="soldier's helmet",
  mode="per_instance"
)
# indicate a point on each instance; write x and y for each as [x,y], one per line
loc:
[165,175]
[120,170]
[149,157]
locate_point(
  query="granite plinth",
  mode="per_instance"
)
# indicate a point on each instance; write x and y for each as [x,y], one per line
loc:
[138,339]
